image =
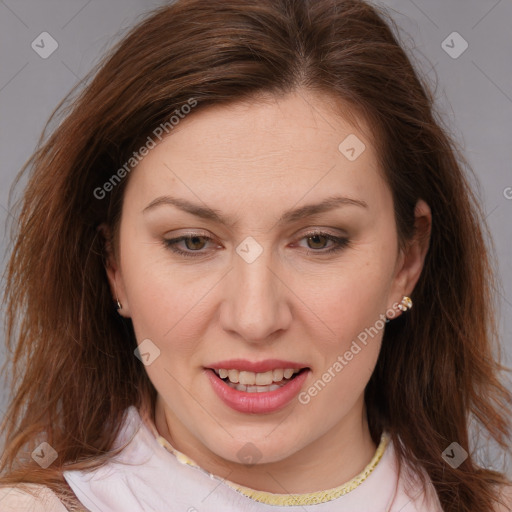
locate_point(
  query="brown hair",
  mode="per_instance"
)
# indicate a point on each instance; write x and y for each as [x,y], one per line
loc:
[436,369]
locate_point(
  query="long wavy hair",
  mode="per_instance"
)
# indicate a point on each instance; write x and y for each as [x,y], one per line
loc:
[73,368]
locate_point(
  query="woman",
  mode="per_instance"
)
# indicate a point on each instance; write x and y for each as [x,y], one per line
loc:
[185,344]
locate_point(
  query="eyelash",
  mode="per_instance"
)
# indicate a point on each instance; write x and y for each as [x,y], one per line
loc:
[339,244]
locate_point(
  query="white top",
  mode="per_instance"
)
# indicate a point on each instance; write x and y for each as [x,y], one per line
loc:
[158,478]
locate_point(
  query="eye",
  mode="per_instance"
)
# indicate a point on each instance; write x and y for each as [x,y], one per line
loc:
[319,238]
[194,243]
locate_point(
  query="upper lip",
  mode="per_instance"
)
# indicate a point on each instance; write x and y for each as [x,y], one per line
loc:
[256,366]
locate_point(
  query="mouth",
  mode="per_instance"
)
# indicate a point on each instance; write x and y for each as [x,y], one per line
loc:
[256,392]
[252,382]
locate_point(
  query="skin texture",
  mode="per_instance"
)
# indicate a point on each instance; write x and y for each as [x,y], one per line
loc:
[251,162]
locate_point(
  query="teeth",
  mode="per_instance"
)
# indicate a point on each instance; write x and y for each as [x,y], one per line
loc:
[247,378]
[233,375]
[288,373]
[265,379]
[278,375]
[255,389]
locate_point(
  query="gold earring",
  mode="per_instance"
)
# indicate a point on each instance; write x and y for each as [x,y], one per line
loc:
[405,304]
[118,304]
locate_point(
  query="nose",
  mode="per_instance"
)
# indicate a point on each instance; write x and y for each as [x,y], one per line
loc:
[256,303]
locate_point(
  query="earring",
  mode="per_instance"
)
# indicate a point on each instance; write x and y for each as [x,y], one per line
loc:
[118,304]
[405,304]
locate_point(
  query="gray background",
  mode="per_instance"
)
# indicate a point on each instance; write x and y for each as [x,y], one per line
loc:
[474,92]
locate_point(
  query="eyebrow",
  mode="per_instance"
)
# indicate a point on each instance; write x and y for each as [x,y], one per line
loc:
[289,216]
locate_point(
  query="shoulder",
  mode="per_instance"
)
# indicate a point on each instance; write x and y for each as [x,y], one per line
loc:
[33,497]
[506,496]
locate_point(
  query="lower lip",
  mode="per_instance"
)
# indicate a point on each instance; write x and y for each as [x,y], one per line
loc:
[257,403]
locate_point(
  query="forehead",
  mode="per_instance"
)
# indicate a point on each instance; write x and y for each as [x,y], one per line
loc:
[269,151]
[288,125]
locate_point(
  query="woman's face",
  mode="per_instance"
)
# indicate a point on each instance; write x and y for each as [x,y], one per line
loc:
[260,286]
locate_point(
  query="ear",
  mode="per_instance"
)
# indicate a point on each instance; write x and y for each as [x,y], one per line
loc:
[412,258]
[113,271]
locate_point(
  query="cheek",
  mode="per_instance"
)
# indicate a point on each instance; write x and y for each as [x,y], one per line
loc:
[352,310]
[347,354]
[334,392]
[351,347]
[165,303]
[354,296]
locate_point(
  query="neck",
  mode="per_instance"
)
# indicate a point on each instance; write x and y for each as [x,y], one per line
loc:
[330,461]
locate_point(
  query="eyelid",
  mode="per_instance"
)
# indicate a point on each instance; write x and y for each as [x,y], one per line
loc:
[339,242]
[310,232]
[324,231]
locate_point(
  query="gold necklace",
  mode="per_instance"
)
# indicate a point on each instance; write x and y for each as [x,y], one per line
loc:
[309,498]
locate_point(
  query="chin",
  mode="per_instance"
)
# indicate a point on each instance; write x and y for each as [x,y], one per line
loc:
[257,449]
